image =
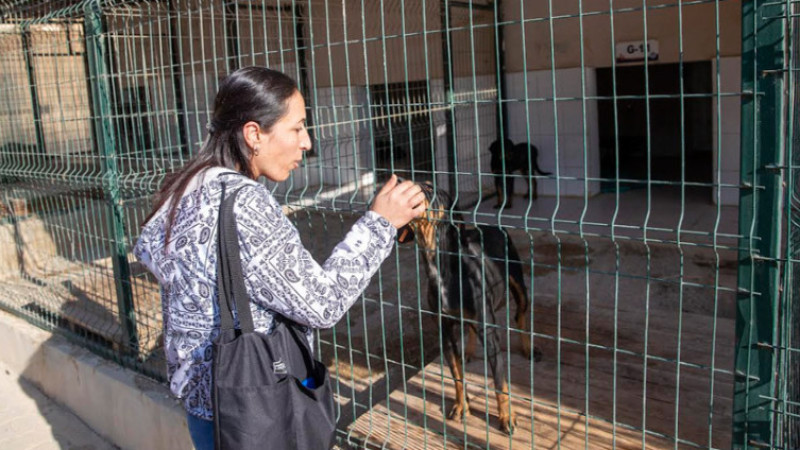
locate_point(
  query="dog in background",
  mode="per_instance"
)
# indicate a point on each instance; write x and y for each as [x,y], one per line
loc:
[522,157]
[467,279]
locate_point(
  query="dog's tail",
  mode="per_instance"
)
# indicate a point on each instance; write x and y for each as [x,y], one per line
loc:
[536,169]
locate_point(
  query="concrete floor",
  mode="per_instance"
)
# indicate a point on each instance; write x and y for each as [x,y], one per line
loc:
[30,420]
[661,216]
[643,275]
[593,298]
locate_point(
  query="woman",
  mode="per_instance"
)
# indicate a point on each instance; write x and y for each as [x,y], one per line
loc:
[258,129]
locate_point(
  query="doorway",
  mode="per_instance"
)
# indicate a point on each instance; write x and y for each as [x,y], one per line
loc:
[667,142]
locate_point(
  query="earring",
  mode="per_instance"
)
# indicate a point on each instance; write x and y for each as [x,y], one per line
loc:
[255,150]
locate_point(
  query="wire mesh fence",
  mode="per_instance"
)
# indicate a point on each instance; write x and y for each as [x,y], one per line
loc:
[787,398]
[634,154]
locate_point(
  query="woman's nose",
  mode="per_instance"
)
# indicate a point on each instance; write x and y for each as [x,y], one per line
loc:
[305,143]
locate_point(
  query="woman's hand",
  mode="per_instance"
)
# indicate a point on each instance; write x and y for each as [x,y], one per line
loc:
[399,203]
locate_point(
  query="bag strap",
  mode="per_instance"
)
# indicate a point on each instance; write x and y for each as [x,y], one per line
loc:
[230,280]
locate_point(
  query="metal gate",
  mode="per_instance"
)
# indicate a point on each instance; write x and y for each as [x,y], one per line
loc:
[766,400]
[657,258]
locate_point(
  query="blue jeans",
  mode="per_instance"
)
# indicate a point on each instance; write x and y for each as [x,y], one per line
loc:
[201,431]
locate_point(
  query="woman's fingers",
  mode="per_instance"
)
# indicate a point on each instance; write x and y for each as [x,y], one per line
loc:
[418,198]
[389,185]
[419,210]
[399,203]
[407,187]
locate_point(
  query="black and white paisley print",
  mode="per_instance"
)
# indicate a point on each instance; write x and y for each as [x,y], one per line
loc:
[279,272]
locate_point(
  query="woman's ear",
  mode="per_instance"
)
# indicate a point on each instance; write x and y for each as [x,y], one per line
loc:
[252,134]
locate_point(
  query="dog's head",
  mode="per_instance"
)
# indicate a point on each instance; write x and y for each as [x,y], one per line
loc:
[438,204]
[496,148]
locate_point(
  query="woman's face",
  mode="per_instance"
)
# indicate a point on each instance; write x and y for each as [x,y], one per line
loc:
[281,149]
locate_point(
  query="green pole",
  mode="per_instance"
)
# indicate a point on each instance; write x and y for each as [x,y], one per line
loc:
[97,54]
[302,45]
[37,115]
[178,77]
[234,54]
[500,72]
[447,62]
[760,213]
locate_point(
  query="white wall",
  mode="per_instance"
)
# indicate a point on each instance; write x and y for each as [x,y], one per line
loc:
[347,134]
[538,125]
[727,137]
[342,146]
[475,130]
[344,149]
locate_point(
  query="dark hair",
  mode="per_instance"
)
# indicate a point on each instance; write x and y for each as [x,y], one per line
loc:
[249,94]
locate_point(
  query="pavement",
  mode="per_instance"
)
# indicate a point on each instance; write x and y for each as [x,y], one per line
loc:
[30,420]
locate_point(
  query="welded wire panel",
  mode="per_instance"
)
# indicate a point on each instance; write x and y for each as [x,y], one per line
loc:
[144,96]
[787,405]
[18,110]
[53,224]
[474,96]
[760,400]
[56,54]
[600,140]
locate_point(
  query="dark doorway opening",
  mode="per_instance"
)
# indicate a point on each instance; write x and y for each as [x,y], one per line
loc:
[666,143]
[402,130]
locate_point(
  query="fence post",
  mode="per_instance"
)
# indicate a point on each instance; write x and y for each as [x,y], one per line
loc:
[30,69]
[302,70]
[233,52]
[449,113]
[99,74]
[500,72]
[178,78]
[760,221]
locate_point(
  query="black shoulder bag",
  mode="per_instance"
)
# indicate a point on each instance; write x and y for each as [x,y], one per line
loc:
[259,381]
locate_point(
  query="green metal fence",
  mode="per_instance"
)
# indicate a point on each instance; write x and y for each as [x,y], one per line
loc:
[658,256]
[785,401]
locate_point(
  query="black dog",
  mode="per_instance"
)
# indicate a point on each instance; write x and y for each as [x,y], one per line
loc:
[467,276]
[522,157]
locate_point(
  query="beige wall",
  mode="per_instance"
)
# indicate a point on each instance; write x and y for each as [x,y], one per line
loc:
[387,43]
[405,58]
[348,42]
[60,86]
[377,50]
[355,46]
[663,24]
[16,113]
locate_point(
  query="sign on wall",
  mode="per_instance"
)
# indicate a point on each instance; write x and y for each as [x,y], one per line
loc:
[636,51]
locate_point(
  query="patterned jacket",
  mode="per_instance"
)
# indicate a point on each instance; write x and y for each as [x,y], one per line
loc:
[280,274]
